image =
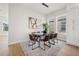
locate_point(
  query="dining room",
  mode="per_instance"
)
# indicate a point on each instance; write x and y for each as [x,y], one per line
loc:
[38,29]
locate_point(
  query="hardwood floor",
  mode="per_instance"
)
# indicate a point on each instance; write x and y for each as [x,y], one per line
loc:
[68,50]
[16,50]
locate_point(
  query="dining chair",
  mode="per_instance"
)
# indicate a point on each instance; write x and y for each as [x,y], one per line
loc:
[33,40]
[55,37]
[52,41]
[46,39]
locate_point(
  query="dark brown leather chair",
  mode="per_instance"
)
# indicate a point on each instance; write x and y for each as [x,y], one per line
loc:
[46,39]
[51,36]
[33,39]
[52,41]
[55,37]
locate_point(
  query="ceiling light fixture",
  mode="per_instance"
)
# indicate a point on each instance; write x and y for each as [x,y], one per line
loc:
[45,5]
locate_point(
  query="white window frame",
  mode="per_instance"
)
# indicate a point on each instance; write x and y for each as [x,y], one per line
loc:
[57,18]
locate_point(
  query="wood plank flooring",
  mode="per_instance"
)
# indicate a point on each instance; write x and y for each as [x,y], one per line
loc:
[15,50]
[68,50]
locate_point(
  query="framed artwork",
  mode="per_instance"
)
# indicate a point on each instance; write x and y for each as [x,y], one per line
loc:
[3,25]
[32,23]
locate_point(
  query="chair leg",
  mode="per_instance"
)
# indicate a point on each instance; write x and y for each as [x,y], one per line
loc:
[49,43]
[37,46]
[44,45]
[29,44]
[56,40]
[53,42]
[32,46]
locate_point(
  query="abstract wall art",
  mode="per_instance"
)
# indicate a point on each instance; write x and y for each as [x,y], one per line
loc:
[32,23]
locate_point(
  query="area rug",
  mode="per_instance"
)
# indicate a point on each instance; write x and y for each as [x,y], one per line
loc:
[52,51]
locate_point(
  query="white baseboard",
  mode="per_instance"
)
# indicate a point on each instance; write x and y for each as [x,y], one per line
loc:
[16,42]
[71,43]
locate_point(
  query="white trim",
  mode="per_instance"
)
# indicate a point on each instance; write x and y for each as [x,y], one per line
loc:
[58,17]
[72,44]
[16,42]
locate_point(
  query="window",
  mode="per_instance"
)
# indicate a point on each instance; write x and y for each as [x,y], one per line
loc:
[51,27]
[62,25]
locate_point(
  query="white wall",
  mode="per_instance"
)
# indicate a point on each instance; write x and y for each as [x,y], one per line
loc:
[18,20]
[73,25]
[3,34]
[3,15]
[54,16]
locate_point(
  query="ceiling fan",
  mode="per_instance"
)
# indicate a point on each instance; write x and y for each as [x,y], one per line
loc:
[44,4]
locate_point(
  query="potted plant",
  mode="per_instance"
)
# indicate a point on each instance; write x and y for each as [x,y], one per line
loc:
[45,26]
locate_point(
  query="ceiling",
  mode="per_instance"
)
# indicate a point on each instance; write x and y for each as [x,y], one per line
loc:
[38,7]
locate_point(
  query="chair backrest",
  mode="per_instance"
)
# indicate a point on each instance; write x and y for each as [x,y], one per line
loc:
[46,38]
[32,38]
[55,35]
[51,36]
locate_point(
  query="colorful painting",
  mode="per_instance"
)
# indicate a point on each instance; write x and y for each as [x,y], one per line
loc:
[32,22]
